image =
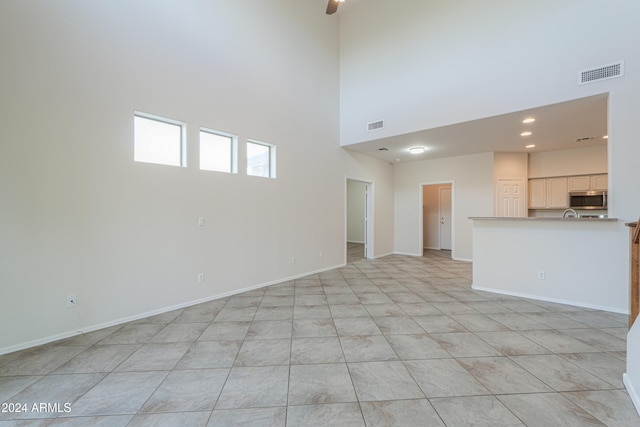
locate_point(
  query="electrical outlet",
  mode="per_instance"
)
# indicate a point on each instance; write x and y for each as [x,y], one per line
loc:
[201,221]
[293,260]
[541,275]
[71,301]
[200,277]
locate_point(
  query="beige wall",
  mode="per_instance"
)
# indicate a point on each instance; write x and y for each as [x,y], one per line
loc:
[579,161]
[472,195]
[79,216]
[510,165]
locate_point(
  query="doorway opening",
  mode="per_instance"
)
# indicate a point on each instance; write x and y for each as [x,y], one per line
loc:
[359,220]
[437,226]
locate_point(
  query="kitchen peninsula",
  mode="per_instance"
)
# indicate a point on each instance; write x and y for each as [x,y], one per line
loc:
[571,261]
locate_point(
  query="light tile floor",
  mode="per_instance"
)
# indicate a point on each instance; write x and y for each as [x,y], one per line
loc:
[396,341]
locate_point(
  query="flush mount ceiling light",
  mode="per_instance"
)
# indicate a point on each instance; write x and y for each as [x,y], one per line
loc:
[529,120]
[417,150]
[530,146]
[527,133]
[605,137]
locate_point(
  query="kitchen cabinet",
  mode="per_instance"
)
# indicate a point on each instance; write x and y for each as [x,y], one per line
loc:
[579,183]
[538,193]
[599,182]
[588,182]
[553,193]
[557,194]
[548,193]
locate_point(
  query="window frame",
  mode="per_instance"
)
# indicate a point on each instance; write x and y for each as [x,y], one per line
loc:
[234,149]
[272,158]
[165,120]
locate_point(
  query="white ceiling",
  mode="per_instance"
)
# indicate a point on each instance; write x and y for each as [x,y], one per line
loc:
[557,127]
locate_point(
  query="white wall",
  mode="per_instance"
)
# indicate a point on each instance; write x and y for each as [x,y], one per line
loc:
[579,161]
[624,174]
[576,257]
[472,178]
[632,377]
[420,65]
[78,215]
[355,210]
[380,175]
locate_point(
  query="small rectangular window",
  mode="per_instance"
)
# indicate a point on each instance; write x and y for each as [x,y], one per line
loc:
[261,159]
[217,151]
[158,140]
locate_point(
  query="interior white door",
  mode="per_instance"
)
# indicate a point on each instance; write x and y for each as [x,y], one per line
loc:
[445,218]
[511,198]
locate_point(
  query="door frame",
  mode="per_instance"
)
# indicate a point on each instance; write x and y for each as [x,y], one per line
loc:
[453,215]
[368,212]
[440,215]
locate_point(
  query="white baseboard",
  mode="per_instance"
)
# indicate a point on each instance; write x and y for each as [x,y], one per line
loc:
[383,255]
[38,342]
[633,394]
[555,300]
[405,253]
[92,328]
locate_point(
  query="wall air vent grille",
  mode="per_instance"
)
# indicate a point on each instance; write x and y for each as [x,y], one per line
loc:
[585,139]
[375,125]
[603,72]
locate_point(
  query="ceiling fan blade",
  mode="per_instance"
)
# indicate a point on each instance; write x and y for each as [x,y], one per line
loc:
[332,7]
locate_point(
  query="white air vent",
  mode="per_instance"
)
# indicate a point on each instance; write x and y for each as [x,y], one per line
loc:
[603,72]
[375,125]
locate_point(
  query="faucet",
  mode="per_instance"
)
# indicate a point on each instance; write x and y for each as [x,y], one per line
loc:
[573,213]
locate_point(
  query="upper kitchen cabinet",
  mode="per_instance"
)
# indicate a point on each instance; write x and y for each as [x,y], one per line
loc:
[557,194]
[588,182]
[548,193]
[538,193]
[599,182]
[579,183]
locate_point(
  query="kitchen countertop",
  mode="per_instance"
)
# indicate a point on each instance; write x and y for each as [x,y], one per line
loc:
[543,218]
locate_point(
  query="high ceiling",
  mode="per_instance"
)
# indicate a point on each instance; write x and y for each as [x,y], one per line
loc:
[561,126]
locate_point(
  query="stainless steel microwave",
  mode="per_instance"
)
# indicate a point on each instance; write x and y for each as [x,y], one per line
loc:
[588,200]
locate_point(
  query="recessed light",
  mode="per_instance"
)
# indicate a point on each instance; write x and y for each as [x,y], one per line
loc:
[530,146]
[417,150]
[527,133]
[605,137]
[529,120]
